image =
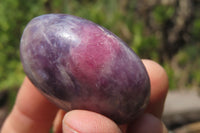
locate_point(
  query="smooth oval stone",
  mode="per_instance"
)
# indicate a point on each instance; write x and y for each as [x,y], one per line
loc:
[78,64]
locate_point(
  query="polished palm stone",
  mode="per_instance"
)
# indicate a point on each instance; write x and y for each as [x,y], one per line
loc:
[78,64]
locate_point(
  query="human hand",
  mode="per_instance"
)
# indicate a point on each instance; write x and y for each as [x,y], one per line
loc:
[33,113]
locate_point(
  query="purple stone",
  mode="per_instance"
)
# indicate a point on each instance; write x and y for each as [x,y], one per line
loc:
[78,64]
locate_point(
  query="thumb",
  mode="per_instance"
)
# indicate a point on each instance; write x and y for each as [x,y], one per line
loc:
[88,122]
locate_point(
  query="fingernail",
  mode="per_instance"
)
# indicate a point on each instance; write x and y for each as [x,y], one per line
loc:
[68,129]
[66,126]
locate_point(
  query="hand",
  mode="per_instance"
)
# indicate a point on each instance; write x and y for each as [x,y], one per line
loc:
[33,113]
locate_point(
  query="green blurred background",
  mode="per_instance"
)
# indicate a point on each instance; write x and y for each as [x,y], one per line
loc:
[166,31]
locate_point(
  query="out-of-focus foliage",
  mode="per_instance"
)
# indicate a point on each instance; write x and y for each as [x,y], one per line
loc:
[186,64]
[13,17]
[158,30]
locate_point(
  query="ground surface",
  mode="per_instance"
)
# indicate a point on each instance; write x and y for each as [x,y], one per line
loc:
[181,108]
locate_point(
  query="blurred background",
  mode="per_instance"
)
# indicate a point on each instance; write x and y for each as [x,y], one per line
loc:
[166,31]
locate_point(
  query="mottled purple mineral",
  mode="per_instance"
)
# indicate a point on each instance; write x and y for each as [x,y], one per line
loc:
[78,64]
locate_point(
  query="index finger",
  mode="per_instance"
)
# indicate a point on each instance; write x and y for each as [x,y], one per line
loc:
[32,112]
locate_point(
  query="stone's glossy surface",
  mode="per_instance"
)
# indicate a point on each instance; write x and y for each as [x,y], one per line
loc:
[78,64]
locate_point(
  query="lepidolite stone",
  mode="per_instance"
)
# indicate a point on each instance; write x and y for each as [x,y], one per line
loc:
[78,64]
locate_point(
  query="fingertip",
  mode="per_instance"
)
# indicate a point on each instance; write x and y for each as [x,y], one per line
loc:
[57,123]
[87,121]
[159,86]
[158,76]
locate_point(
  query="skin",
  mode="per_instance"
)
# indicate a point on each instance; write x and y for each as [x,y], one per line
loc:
[33,113]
